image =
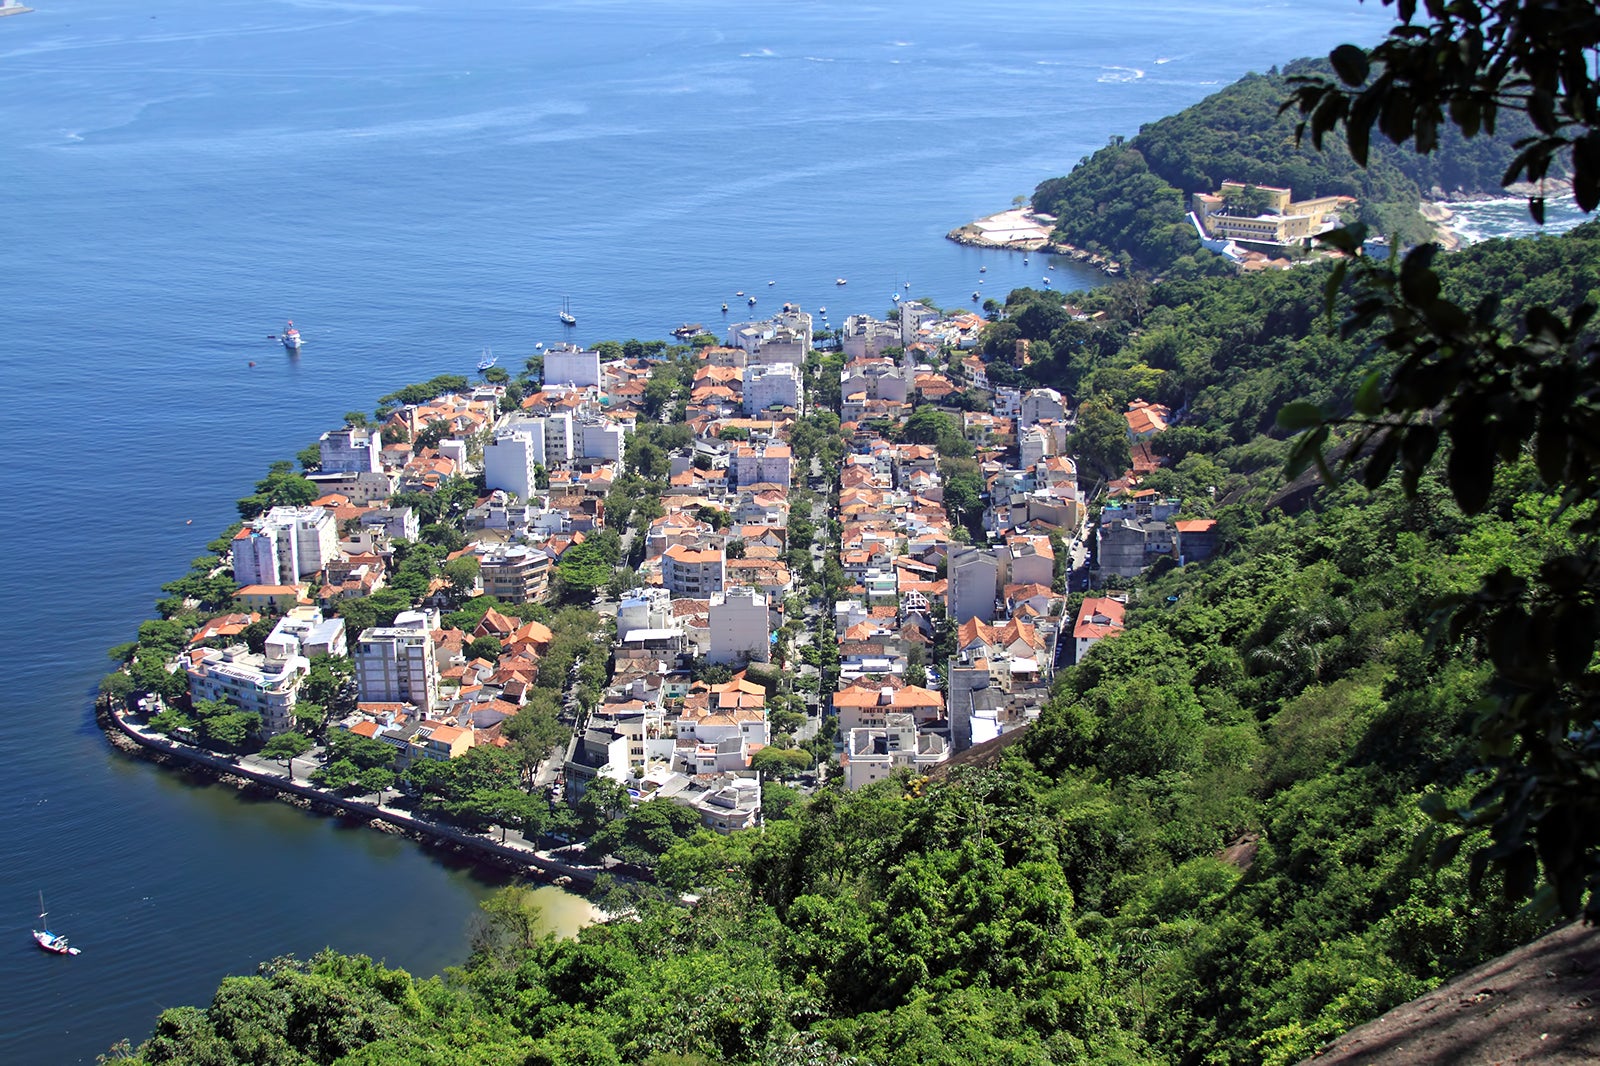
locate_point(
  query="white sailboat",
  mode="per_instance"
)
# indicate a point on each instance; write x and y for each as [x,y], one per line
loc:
[54,943]
[566,313]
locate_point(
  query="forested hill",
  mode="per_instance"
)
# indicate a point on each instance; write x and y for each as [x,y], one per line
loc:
[1078,902]
[1129,198]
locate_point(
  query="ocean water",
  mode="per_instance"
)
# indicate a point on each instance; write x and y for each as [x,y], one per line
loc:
[413,183]
[1507,216]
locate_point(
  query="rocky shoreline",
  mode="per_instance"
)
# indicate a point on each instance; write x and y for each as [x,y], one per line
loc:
[1023,230]
[204,766]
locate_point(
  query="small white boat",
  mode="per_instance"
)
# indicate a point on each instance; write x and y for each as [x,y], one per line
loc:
[772,283]
[752,301]
[822,310]
[840,281]
[739,293]
[54,943]
[895,297]
[291,338]
[983,270]
[1047,281]
[567,318]
[974,296]
[724,308]
[908,284]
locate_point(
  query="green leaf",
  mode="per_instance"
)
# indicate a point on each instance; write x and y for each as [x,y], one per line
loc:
[1369,400]
[1350,63]
[1471,466]
[1299,415]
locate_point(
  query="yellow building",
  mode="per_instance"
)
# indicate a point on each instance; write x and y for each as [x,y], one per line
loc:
[1284,220]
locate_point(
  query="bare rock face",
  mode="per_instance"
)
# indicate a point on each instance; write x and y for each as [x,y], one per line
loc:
[1538,1004]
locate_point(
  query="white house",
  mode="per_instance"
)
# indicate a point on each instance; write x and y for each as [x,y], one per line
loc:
[872,754]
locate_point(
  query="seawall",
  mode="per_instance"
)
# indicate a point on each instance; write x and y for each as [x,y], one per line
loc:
[129,739]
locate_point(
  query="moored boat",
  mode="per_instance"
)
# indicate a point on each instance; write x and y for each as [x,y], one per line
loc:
[291,338]
[54,943]
[567,318]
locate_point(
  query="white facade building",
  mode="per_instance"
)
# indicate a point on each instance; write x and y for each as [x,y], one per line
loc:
[268,687]
[1040,404]
[600,439]
[644,609]
[973,575]
[351,450]
[284,545]
[303,631]
[509,459]
[395,664]
[912,317]
[570,365]
[771,464]
[872,754]
[773,384]
[739,626]
[692,572]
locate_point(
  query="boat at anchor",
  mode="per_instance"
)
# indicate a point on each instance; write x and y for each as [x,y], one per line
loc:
[54,943]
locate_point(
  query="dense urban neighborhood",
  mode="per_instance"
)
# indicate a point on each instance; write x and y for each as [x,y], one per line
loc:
[717,574]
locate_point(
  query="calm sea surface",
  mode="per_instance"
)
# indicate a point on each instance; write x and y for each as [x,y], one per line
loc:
[413,183]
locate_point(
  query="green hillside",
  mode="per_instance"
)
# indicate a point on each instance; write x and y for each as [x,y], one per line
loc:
[1068,904]
[1130,197]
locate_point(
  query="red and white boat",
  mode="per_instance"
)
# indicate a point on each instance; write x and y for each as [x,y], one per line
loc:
[291,338]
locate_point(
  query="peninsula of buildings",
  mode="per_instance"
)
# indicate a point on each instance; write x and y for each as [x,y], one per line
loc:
[665,573]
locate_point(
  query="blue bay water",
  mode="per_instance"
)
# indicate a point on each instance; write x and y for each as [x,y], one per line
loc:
[413,183]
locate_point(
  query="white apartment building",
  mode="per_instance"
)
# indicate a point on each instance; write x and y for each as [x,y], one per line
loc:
[351,450]
[739,627]
[268,687]
[771,464]
[913,315]
[772,384]
[284,545]
[509,459]
[1040,404]
[598,438]
[515,573]
[973,575]
[644,609]
[395,664]
[303,631]
[694,573]
[567,364]
[255,556]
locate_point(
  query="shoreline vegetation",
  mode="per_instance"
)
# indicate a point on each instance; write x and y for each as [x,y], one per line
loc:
[131,738]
